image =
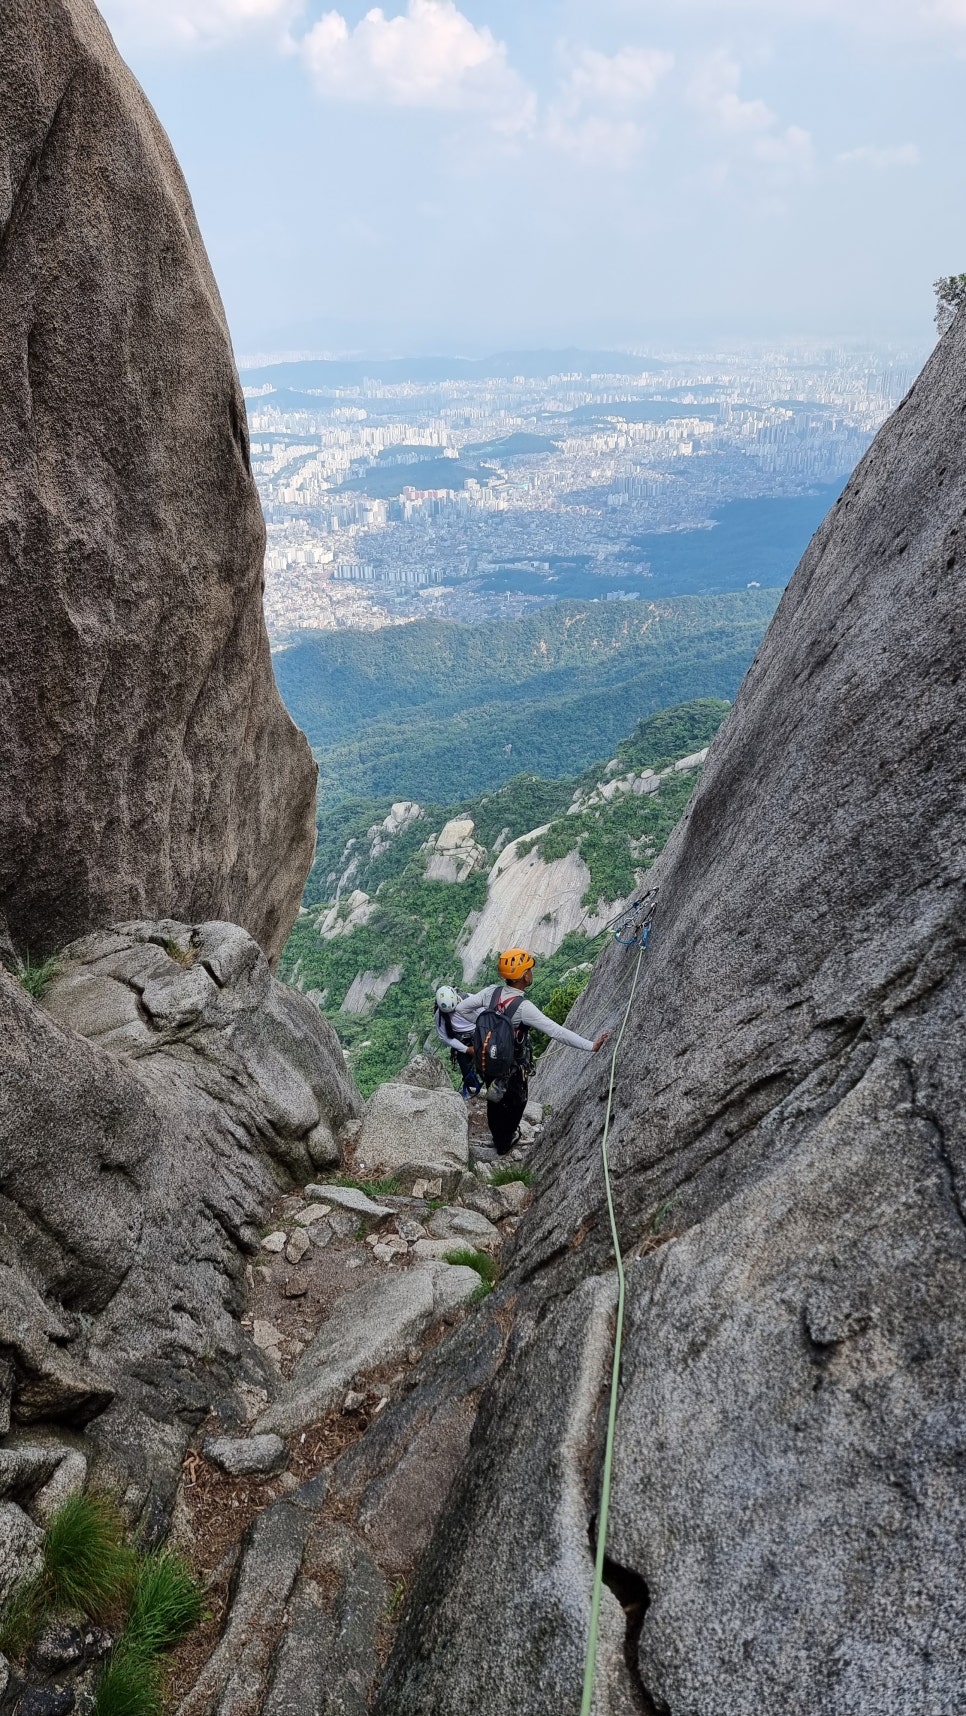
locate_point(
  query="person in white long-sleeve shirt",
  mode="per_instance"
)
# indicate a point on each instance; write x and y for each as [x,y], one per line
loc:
[455,1029]
[516,973]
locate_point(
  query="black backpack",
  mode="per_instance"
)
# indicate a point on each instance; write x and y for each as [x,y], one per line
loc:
[495,1040]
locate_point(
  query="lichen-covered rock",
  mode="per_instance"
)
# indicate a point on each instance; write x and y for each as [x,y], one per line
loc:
[148,765]
[788,1153]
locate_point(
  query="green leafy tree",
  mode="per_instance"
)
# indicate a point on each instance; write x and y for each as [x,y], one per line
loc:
[950,292]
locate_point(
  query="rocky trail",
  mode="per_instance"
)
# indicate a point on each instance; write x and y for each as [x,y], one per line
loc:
[349,1296]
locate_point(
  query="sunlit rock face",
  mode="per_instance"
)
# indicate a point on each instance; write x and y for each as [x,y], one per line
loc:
[148,766]
[789,1160]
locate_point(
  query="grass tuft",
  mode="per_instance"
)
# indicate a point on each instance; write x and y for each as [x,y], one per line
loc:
[87,1564]
[166,1603]
[486,1268]
[21,1618]
[371,1188]
[507,1176]
[186,956]
[130,1684]
[37,979]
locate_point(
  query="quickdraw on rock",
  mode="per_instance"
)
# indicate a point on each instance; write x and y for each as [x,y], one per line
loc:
[633,927]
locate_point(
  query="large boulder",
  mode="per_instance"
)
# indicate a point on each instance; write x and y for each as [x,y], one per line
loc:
[406,1123]
[150,1111]
[788,1153]
[149,768]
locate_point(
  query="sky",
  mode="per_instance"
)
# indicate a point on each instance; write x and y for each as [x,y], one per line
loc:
[479,175]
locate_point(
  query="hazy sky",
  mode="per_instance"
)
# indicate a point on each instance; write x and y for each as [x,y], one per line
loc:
[472,174]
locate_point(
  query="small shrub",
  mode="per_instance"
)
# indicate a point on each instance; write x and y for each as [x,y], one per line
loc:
[166,1603]
[486,1268]
[37,979]
[130,1685]
[507,1176]
[87,1564]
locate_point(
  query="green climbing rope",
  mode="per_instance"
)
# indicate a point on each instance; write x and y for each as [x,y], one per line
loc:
[590,1666]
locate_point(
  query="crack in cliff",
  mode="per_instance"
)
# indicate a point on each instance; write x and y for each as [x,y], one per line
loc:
[631,1591]
[32,171]
[930,1118]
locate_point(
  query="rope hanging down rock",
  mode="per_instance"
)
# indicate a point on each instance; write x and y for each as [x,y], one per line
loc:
[590,1665]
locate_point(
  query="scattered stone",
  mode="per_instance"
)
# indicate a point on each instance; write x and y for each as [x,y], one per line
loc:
[355,1262]
[425,1072]
[340,1223]
[353,1402]
[533,1112]
[266,1336]
[313,1213]
[484,1199]
[321,1234]
[421,1189]
[483,1153]
[59,1646]
[514,1196]
[248,1456]
[298,1245]
[274,1242]
[350,1198]
[293,1288]
[464,1227]
[434,1250]
[410,1231]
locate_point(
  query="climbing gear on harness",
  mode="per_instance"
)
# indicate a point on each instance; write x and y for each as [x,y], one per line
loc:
[447,999]
[516,962]
[590,1664]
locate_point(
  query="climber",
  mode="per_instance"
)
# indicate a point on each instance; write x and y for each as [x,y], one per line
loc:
[506,1096]
[456,1031]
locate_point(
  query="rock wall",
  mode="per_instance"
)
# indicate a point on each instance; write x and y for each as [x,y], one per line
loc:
[789,1156]
[150,1111]
[149,768]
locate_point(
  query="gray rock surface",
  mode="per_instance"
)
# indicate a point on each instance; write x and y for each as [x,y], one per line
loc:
[425,1072]
[367,1327]
[463,1227]
[135,1170]
[149,766]
[21,1544]
[789,1160]
[327,1660]
[240,1456]
[350,1198]
[405,1123]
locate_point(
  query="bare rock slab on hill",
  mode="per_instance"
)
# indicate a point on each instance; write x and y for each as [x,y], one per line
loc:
[406,1123]
[149,766]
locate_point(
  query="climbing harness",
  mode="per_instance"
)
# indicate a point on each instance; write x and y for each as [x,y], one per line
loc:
[641,937]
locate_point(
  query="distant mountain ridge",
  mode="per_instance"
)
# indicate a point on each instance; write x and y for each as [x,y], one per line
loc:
[353,372]
[547,694]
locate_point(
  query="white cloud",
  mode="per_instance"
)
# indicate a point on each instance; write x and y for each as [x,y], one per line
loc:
[596,114]
[193,23]
[867,155]
[430,56]
[750,130]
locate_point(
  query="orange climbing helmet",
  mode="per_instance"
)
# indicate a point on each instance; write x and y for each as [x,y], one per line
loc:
[516,962]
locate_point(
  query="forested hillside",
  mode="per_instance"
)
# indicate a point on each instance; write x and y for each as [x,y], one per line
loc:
[436,711]
[380,932]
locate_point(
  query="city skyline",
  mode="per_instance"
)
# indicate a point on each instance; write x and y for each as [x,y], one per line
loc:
[431,176]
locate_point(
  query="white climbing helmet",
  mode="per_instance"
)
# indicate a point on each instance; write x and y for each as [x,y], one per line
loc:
[447,999]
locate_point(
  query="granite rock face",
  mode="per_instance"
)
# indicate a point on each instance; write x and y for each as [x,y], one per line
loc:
[150,1112]
[789,1159]
[149,768]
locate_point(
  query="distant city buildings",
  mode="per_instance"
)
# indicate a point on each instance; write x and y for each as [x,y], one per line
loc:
[355,539]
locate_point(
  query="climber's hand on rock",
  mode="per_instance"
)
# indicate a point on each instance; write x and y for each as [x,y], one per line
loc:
[600,1041]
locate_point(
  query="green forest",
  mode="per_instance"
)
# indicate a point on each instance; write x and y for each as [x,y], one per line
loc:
[417,924]
[429,710]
